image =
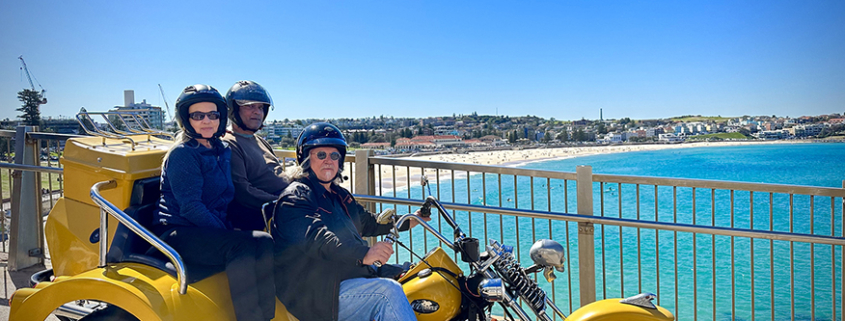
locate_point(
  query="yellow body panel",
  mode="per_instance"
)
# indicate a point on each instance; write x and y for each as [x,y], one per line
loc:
[68,232]
[612,310]
[87,161]
[146,292]
[440,289]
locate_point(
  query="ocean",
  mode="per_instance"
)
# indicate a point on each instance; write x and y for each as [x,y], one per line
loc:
[703,261]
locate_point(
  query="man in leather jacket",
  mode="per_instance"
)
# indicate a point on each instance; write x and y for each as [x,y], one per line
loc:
[324,268]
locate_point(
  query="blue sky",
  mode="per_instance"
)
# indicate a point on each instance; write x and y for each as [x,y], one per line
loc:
[562,59]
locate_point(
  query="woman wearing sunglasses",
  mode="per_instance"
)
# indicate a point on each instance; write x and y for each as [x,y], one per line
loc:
[324,268]
[196,188]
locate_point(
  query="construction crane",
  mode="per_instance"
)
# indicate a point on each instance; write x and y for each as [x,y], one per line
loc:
[28,76]
[165,102]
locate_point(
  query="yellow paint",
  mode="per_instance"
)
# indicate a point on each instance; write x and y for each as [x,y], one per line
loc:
[612,310]
[147,293]
[87,161]
[437,288]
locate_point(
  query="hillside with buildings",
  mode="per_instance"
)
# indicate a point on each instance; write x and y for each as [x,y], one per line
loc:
[389,134]
[484,132]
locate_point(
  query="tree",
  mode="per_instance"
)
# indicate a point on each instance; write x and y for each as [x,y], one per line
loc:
[512,137]
[579,135]
[287,142]
[563,136]
[31,99]
[601,128]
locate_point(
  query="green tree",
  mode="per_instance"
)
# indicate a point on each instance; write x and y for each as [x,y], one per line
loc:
[563,136]
[579,135]
[287,142]
[601,128]
[30,114]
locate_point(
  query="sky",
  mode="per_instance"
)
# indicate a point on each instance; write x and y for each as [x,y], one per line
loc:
[350,59]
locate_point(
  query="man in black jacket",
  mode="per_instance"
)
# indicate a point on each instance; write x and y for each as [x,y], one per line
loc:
[324,268]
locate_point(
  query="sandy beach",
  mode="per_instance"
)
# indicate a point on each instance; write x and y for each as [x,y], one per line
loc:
[514,158]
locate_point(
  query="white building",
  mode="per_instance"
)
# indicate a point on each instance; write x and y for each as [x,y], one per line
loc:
[771,134]
[670,138]
[152,114]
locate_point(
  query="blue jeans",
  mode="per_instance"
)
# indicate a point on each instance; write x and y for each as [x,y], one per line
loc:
[376,299]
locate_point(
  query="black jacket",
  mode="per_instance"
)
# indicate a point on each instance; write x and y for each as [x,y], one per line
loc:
[319,243]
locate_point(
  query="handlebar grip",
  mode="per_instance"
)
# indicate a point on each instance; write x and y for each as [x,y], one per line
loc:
[425,211]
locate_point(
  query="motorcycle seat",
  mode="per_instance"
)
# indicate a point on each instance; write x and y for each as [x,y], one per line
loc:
[127,246]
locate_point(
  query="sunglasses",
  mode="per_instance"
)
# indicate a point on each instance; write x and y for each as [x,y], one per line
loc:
[197,115]
[321,155]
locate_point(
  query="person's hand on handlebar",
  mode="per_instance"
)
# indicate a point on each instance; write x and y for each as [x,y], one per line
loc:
[415,223]
[379,252]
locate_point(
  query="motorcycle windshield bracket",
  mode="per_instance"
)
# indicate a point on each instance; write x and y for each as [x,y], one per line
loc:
[641,300]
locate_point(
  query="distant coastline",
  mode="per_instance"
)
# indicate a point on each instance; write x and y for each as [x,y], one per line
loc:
[516,158]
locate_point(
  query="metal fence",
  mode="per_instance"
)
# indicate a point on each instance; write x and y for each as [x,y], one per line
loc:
[31,183]
[709,249]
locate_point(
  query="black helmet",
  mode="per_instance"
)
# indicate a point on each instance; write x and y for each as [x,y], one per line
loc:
[247,92]
[197,94]
[320,135]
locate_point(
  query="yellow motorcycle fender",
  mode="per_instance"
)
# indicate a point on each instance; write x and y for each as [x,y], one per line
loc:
[612,309]
[36,304]
[145,292]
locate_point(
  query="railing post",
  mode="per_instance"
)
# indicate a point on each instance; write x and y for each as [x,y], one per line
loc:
[26,237]
[586,238]
[365,180]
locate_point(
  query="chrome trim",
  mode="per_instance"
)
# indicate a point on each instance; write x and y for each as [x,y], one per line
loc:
[557,310]
[492,290]
[511,303]
[85,115]
[106,207]
[424,225]
[641,300]
[548,253]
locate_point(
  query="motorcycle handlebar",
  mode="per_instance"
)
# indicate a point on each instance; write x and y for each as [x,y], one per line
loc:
[425,225]
[426,209]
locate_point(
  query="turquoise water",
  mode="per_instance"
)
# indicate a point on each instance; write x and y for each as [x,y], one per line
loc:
[693,257]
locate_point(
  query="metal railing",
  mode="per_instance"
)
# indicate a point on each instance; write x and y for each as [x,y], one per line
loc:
[689,241]
[107,208]
[32,183]
[709,249]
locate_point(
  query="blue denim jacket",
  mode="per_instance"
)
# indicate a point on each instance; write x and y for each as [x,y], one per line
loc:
[196,186]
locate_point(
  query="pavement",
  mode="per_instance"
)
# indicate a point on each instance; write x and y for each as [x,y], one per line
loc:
[13,280]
